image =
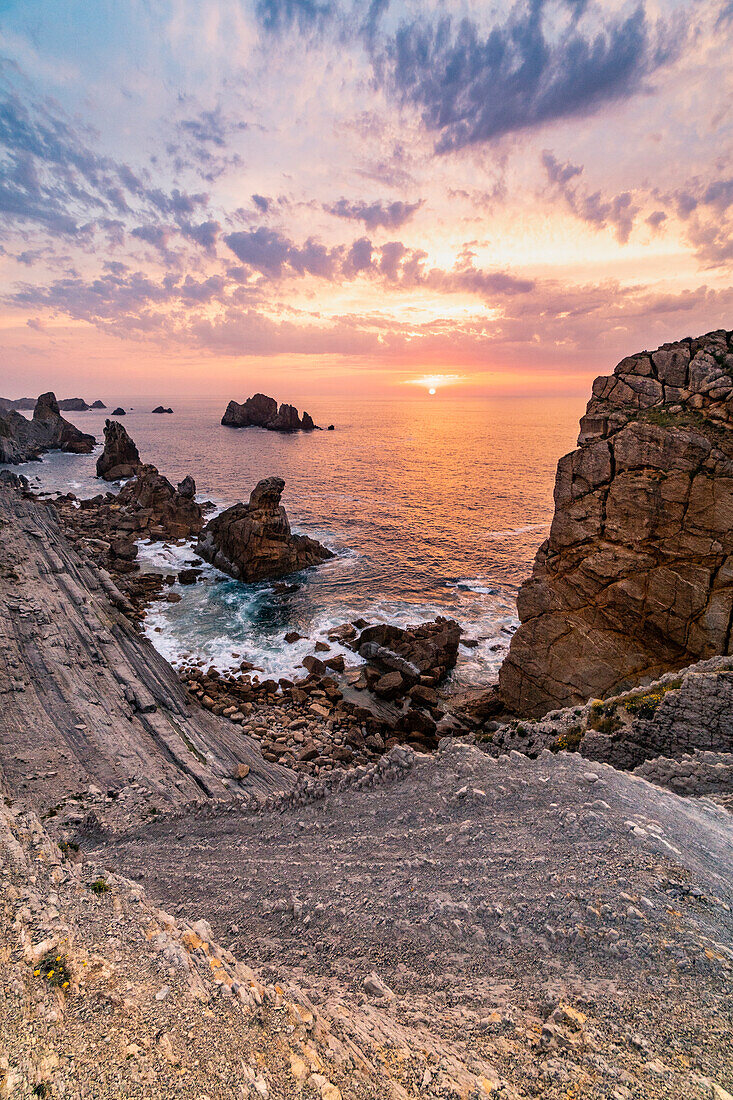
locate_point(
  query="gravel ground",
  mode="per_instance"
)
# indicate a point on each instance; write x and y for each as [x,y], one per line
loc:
[481,892]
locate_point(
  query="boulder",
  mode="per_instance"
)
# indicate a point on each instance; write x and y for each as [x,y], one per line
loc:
[254,542]
[636,578]
[428,648]
[156,504]
[120,457]
[187,487]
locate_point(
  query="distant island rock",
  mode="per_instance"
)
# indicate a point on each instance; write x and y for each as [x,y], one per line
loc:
[119,411]
[23,440]
[68,404]
[261,411]
[120,456]
[253,542]
[160,409]
[636,578]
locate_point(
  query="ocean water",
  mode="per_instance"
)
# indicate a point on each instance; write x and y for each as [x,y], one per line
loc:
[433,505]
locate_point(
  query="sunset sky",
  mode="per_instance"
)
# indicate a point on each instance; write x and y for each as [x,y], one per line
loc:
[213,196]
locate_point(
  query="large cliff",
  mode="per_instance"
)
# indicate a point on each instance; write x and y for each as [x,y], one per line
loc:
[636,577]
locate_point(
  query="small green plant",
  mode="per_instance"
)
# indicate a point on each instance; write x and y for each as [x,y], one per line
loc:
[603,717]
[67,846]
[54,969]
[99,886]
[569,740]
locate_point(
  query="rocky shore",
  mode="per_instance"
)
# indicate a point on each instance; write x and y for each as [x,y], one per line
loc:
[24,440]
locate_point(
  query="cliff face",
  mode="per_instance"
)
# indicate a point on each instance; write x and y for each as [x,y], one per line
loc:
[636,577]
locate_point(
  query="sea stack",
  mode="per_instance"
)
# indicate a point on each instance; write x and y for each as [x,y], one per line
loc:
[120,457]
[253,541]
[636,578]
[261,411]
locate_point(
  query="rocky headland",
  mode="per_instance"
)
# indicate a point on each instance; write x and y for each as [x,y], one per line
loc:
[353,885]
[261,411]
[23,440]
[636,578]
[67,404]
[120,458]
[254,542]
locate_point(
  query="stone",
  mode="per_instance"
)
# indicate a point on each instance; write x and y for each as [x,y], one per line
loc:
[390,685]
[119,411]
[188,576]
[636,578]
[254,542]
[152,496]
[241,771]
[120,457]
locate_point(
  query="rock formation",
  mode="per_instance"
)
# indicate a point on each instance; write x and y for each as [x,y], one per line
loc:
[159,507]
[160,409]
[253,542]
[98,404]
[414,655]
[73,404]
[22,440]
[636,577]
[120,457]
[119,411]
[261,411]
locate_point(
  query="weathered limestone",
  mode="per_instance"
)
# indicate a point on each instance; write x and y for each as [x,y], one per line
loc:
[636,577]
[254,542]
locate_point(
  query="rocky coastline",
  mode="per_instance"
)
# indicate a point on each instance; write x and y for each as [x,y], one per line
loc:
[23,440]
[354,883]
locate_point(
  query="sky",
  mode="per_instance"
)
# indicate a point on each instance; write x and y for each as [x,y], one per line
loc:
[216,196]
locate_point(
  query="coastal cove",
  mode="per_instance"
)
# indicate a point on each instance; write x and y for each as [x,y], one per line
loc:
[417,530]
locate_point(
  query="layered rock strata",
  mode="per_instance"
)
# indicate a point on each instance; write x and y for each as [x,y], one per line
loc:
[636,577]
[261,411]
[85,699]
[23,440]
[254,542]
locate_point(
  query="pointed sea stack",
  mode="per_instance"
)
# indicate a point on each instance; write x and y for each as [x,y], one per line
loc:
[636,578]
[253,542]
[120,456]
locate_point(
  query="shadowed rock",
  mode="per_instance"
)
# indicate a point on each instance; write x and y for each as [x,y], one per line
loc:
[254,542]
[636,577]
[22,440]
[120,457]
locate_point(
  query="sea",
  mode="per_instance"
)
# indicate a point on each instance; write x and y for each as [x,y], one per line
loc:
[433,505]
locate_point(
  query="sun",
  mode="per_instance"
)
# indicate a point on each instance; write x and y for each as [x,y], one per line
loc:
[431,390]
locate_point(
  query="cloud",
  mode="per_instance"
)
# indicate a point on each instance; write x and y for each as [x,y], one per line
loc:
[262,203]
[280,15]
[374,214]
[618,211]
[476,86]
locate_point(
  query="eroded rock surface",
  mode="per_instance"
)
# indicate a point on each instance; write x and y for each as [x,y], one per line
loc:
[164,509]
[254,542]
[120,457]
[637,575]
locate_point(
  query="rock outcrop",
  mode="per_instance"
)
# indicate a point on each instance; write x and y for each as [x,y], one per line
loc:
[636,578]
[98,404]
[261,411]
[253,542]
[22,440]
[414,655]
[120,457]
[161,409]
[119,411]
[159,508]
